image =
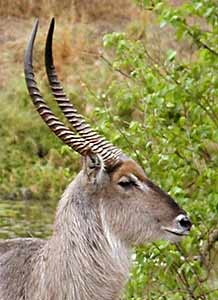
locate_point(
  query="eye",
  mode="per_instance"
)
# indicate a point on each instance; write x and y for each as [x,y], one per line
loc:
[127,183]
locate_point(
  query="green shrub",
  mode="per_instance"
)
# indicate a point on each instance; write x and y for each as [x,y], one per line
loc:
[167,107]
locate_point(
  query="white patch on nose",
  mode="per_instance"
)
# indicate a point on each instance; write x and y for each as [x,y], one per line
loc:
[180,217]
[183,222]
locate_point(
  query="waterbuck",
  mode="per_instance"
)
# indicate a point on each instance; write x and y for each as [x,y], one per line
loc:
[109,207]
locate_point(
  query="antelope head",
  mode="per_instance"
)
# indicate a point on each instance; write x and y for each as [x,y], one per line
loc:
[130,206]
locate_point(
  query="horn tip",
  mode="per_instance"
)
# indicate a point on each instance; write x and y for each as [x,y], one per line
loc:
[28,51]
[52,24]
[36,23]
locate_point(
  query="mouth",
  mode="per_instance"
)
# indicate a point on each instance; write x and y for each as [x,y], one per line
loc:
[176,231]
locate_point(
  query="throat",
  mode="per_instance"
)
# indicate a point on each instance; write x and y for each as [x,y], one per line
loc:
[93,266]
[91,263]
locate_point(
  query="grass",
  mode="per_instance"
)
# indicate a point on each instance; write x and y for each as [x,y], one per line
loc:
[77,9]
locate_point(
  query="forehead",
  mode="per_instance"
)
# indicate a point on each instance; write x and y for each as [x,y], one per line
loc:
[129,167]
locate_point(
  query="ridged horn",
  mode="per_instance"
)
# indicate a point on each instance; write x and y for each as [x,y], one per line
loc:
[77,143]
[64,133]
[76,120]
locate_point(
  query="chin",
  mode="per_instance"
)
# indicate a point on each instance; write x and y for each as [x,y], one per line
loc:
[172,237]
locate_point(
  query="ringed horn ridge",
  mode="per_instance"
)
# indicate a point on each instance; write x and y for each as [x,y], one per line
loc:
[88,140]
[70,112]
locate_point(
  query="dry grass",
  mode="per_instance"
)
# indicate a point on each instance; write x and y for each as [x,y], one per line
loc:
[77,9]
[78,34]
[103,9]
[33,8]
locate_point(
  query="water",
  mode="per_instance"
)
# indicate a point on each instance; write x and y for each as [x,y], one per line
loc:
[26,219]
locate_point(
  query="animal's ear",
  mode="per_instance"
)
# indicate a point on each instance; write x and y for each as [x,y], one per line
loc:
[93,165]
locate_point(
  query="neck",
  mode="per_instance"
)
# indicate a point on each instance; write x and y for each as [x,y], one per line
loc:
[83,259]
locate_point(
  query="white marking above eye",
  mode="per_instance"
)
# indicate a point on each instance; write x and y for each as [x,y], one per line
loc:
[140,185]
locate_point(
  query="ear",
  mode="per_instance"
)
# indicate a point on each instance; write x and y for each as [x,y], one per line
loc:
[93,166]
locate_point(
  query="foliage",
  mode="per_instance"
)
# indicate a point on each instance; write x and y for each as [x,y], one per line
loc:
[32,160]
[168,112]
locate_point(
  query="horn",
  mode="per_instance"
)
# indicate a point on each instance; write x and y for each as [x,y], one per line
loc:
[77,143]
[76,120]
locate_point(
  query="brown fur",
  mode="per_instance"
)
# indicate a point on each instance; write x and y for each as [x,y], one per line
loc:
[129,167]
[97,222]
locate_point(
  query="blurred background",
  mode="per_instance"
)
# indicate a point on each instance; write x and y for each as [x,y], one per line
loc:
[145,74]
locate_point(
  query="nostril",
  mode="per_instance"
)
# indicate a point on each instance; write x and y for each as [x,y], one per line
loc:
[184,222]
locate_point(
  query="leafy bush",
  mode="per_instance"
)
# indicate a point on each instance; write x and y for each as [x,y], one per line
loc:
[167,108]
[31,160]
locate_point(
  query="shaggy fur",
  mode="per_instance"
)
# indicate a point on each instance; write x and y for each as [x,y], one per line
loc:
[97,222]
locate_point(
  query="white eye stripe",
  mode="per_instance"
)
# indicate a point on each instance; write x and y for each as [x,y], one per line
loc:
[125,179]
[141,185]
[135,180]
